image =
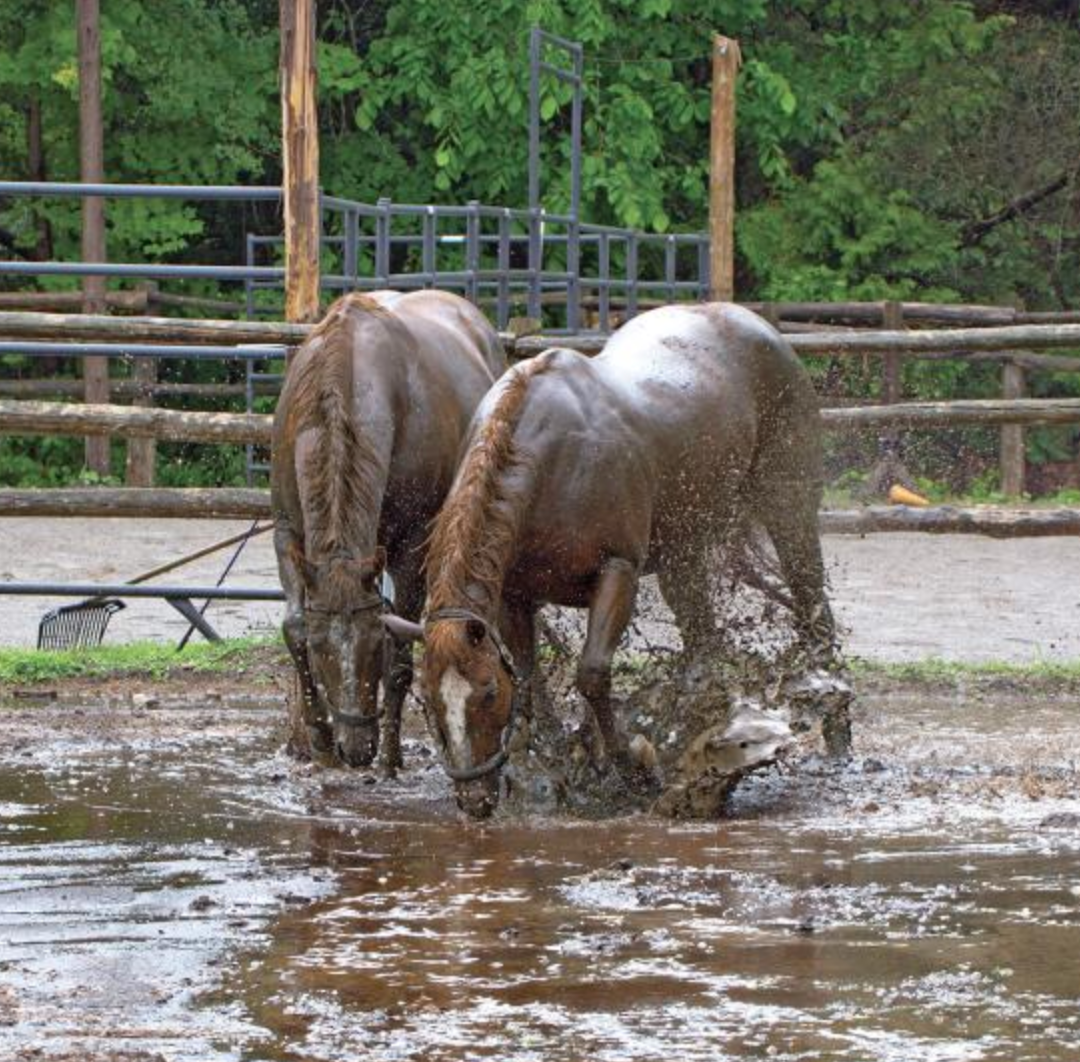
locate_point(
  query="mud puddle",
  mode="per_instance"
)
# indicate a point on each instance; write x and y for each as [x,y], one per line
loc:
[172,888]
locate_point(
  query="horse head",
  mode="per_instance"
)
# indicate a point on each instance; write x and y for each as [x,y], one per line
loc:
[469,682]
[346,645]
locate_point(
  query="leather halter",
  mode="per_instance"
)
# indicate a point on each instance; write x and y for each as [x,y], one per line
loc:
[375,601]
[498,760]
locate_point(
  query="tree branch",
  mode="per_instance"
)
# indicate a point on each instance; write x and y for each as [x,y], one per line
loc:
[974,231]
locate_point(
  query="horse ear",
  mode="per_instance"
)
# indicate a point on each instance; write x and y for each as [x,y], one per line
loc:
[475,631]
[402,629]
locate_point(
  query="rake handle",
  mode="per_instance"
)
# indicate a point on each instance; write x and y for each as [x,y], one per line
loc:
[198,554]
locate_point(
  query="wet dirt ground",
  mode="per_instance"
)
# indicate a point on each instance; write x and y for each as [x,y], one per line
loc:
[899,597]
[171,887]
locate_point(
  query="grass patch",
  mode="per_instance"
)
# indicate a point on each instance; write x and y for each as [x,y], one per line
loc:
[954,672]
[150,659]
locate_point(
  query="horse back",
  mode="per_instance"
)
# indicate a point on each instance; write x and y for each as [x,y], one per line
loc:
[656,438]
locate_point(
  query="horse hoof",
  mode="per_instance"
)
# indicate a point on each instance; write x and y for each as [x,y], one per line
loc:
[320,741]
[388,769]
[638,777]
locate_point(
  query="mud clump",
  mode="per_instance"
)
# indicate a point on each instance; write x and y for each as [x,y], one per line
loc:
[695,729]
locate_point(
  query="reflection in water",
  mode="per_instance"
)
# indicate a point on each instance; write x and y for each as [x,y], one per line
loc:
[208,901]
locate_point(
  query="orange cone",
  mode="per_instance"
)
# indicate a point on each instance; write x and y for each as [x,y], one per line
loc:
[902,496]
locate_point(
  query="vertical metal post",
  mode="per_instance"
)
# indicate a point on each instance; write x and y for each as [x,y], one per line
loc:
[502,310]
[472,251]
[573,283]
[249,284]
[605,277]
[631,274]
[427,253]
[536,260]
[575,133]
[573,247]
[351,220]
[534,118]
[703,271]
[670,252]
[382,242]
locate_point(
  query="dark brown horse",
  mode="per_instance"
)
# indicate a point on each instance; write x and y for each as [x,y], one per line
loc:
[366,439]
[581,475]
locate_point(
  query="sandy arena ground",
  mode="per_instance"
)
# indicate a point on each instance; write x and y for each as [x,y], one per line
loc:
[900,597]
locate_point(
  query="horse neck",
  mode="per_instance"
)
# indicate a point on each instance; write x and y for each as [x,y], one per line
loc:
[478,550]
[344,475]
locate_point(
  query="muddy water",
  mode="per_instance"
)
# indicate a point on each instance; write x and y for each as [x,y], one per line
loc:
[171,888]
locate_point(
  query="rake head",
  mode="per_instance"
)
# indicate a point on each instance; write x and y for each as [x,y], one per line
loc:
[78,626]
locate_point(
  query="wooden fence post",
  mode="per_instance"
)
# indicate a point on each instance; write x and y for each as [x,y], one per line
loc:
[1012,435]
[142,453]
[92,170]
[726,60]
[300,156]
[890,468]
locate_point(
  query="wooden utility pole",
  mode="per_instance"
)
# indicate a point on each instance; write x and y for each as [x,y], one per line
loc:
[726,61]
[92,170]
[300,154]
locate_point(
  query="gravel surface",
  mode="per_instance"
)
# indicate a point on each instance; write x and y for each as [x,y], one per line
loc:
[900,597]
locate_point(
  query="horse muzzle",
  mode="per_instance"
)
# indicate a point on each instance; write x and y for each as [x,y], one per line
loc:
[478,798]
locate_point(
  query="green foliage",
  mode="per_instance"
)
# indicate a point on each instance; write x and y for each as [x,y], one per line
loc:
[872,140]
[189,95]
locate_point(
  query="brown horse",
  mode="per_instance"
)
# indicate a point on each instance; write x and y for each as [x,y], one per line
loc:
[581,475]
[366,439]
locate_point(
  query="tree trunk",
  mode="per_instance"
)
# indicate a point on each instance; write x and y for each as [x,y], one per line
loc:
[35,154]
[92,170]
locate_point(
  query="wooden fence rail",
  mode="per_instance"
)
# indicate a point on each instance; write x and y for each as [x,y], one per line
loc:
[128,422]
[174,425]
[951,342]
[189,503]
[1016,345]
[986,413]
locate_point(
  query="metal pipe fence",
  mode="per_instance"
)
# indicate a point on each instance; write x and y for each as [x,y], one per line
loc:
[512,256]
[508,260]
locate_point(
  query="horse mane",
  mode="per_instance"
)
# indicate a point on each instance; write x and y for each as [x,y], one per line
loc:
[343,466]
[478,524]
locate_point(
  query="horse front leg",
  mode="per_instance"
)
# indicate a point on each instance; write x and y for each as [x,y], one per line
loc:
[610,611]
[519,630]
[320,737]
[399,675]
[317,734]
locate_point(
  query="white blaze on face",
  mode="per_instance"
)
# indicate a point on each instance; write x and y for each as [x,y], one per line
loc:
[454,690]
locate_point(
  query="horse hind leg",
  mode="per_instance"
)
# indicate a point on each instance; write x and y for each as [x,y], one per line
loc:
[683,574]
[791,519]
